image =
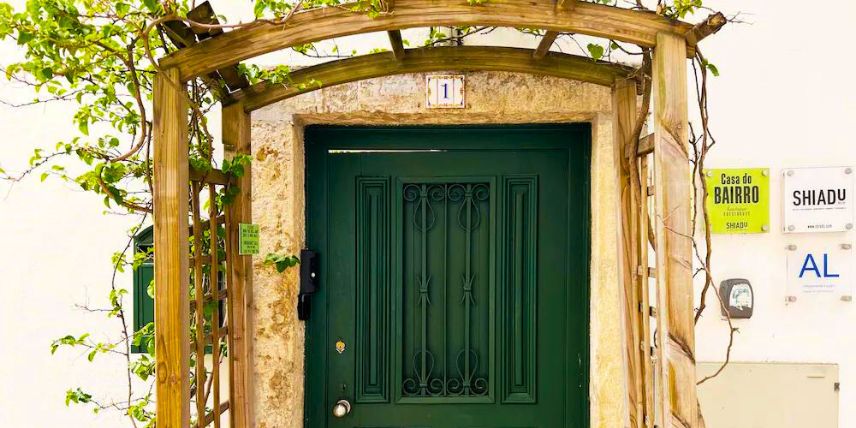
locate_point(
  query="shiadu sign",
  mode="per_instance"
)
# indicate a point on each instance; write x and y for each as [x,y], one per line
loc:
[818,199]
[738,200]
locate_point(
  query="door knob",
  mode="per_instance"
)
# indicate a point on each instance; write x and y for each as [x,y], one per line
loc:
[341,408]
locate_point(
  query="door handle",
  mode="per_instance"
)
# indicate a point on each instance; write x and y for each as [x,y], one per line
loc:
[341,408]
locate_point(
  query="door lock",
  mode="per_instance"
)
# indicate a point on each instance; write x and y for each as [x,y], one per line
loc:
[309,279]
[341,408]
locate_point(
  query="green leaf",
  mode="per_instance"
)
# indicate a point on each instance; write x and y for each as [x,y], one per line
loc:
[122,9]
[596,51]
[151,5]
[77,396]
[46,73]
[259,8]
[712,68]
[281,261]
[44,177]
[25,37]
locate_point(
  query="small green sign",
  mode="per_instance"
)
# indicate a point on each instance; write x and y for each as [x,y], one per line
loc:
[248,239]
[738,200]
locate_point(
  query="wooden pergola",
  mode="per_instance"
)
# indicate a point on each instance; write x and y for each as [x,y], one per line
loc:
[660,384]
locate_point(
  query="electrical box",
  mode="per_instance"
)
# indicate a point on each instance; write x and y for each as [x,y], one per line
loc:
[739,298]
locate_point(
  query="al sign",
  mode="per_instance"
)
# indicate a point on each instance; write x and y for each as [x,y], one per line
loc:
[820,270]
[738,200]
[818,199]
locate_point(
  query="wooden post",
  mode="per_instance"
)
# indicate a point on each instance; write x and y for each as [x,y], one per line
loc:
[236,139]
[649,367]
[172,306]
[673,196]
[624,121]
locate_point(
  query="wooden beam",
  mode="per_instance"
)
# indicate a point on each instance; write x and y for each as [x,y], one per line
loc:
[566,4]
[624,124]
[545,44]
[171,196]
[179,33]
[182,36]
[550,36]
[703,29]
[204,14]
[236,138]
[625,25]
[646,147]
[209,418]
[459,58]
[674,233]
[185,36]
[211,176]
[396,43]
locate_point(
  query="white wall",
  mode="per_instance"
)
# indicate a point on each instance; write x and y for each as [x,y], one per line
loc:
[54,253]
[784,100]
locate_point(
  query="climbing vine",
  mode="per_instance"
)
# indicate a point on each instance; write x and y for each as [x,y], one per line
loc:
[99,55]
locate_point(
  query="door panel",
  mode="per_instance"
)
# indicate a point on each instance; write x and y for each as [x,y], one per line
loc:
[454,276]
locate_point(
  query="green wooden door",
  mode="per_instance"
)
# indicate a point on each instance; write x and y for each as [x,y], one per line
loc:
[454,284]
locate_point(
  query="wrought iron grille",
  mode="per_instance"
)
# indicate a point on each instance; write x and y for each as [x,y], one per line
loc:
[447,287]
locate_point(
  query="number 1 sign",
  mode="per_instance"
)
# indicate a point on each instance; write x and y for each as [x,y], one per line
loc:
[445,91]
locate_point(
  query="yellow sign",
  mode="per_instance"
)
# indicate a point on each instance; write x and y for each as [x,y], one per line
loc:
[248,239]
[738,200]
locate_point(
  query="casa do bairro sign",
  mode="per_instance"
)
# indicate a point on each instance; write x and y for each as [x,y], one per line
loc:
[738,200]
[818,199]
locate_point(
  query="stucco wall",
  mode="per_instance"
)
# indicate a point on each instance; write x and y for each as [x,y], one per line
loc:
[492,97]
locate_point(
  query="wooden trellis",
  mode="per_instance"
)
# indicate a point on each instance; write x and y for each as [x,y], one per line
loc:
[660,372]
[219,274]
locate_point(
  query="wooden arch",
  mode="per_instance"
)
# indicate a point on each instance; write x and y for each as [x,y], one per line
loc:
[675,402]
[631,26]
[460,58]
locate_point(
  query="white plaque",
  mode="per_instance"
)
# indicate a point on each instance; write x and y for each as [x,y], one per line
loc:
[445,91]
[820,269]
[818,199]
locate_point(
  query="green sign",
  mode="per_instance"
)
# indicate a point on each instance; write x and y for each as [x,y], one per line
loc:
[738,200]
[248,239]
